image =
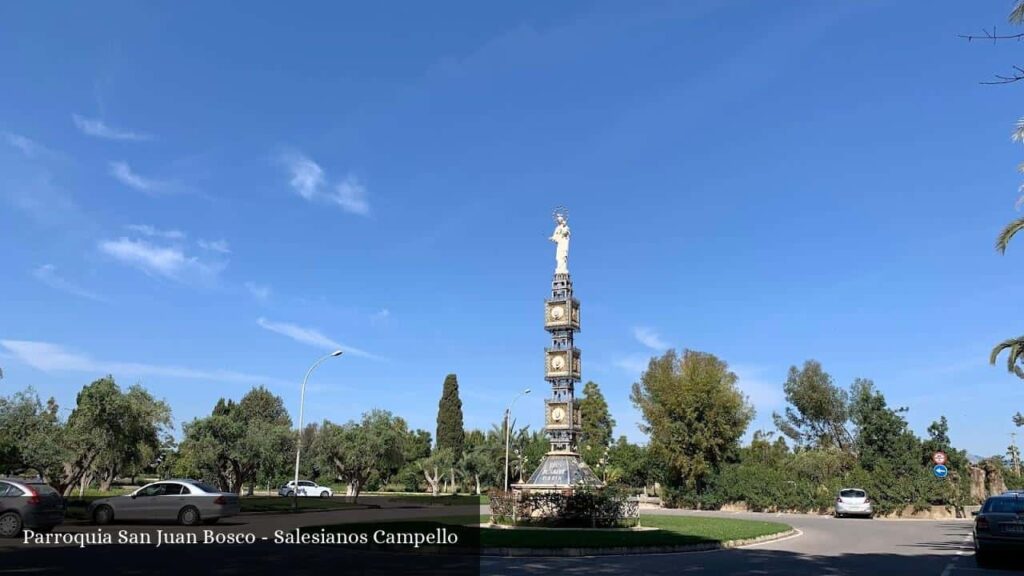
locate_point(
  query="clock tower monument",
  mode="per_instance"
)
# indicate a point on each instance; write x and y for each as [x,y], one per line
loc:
[562,466]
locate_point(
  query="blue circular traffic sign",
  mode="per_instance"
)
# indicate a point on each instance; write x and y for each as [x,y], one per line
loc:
[940,471]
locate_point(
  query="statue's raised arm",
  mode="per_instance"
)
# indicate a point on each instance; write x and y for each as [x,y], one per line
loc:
[561,239]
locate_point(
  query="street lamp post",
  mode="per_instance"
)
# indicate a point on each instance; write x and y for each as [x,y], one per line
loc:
[508,414]
[298,445]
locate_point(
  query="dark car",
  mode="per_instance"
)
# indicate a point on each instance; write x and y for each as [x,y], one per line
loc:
[28,504]
[188,502]
[999,526]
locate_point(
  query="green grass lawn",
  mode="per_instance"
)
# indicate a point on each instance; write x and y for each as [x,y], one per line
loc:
[672,531]
[445,500]
[283,504]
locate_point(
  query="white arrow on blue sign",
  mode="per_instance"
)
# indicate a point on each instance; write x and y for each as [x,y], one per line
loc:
[940,471]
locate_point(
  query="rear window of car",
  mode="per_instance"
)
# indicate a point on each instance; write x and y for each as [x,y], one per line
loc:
[1004,505]
[42,489]
[205,487]
[852,493]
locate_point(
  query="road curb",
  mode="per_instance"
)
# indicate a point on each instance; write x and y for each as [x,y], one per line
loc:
[635,550]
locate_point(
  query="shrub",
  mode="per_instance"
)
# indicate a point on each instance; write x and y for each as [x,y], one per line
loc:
[597,508]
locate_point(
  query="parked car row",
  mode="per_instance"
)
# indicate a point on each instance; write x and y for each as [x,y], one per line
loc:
[33,505]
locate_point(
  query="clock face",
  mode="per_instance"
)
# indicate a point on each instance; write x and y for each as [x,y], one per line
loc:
[557,313]
[558,414]
[558,363]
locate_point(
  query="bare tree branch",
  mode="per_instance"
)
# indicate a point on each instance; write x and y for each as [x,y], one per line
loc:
[993,36]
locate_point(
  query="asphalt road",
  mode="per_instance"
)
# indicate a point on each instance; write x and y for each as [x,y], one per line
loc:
[824,546]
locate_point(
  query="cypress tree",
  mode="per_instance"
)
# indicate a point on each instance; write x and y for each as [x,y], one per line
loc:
[596,423]
[450,433]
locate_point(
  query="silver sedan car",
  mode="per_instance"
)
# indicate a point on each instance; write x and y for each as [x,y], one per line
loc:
[853,502]
[187,502]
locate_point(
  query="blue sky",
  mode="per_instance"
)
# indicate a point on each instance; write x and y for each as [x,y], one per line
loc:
[203,198]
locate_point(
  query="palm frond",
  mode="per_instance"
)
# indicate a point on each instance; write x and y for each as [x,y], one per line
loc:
[1015,354]
[1018,131]
[1017,14]
[1008,233]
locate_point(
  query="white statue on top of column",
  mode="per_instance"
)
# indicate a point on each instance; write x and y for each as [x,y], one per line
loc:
[561,239]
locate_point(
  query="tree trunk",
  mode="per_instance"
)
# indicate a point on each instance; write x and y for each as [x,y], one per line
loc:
[357,486]
[433,481]
[107,478]
[476,477]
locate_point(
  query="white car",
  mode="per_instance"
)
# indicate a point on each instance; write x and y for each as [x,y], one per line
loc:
[306,488]
[853,502]
[187,501]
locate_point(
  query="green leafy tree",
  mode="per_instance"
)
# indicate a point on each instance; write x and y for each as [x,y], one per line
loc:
[818,413]
[631,463]
[31,435]
[478,466]
[596,423]
[693,413]
[450,432]
[888,451]
[434,466]
[356,451]
[239,443]
[527,450]
[417,445]
[109,430]
[139,435]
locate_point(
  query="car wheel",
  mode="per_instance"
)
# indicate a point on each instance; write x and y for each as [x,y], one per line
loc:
[10,525]
[189,516]
[983,557]
[325,494]
[289,494]
[103,515]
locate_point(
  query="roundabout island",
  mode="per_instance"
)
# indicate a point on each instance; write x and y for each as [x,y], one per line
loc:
[656,534]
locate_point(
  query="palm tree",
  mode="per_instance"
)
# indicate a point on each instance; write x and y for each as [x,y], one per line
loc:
[1015,348]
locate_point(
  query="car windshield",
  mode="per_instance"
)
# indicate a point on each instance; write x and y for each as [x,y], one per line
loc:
[1005,505]
[852,494]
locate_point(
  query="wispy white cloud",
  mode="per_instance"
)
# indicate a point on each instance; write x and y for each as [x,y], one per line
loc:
[309,181]
[147,230]
[261,292]
[28,147]
[124,174]
[97,128]
[311,337]
[47,274]
[167,261]
[635,364]
[307,177]
[215,245]
[50,357]
[380,317]
[350,194]
[648,337]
